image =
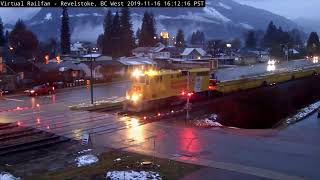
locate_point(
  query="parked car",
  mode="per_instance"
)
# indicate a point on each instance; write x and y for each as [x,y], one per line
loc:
[40,90]
[3,92]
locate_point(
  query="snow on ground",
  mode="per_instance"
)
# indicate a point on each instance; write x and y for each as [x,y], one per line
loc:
[82,14]
[133,175]
[86,160]
[211,12]
[84,151]
[247,26]
[225,6]
[8,176]
[210,121]
[110,101]
[303,113]
[48,16]
[190,16]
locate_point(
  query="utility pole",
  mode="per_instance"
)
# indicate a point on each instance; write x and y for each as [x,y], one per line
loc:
[188,97]
[91,77]
[286,51]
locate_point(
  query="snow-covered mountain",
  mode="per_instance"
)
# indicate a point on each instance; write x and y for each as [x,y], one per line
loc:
[223,19]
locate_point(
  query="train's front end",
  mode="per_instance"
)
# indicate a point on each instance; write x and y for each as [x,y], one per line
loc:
[137,96]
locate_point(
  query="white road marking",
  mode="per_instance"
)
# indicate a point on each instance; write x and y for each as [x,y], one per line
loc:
[10,99]
[36,112]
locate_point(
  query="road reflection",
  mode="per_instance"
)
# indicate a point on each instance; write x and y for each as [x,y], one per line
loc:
[189,143]
[135,130]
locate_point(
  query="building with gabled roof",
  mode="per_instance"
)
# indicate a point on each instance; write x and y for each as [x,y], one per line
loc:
[193,53]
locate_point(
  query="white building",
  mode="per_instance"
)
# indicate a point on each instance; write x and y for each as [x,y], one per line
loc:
[194,53]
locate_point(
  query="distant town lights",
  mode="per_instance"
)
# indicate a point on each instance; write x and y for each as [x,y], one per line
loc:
[164,35]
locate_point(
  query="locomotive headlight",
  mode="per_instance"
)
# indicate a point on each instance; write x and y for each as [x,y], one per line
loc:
[135,97]
[137,73]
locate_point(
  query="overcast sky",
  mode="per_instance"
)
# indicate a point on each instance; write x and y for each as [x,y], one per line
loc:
[289,8]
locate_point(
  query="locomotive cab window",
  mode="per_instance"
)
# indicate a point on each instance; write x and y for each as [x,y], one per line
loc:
[203,73]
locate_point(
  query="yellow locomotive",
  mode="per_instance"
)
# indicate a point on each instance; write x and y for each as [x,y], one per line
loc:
[155,88]
[158,88]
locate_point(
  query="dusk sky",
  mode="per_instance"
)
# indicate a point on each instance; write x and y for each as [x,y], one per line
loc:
[289,8]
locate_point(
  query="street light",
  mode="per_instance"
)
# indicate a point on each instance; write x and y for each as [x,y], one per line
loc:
[91,78]
[286,51]
[91,72]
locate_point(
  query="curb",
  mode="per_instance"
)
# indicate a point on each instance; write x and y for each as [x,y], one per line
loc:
[69,88]
[95,85]
[105,106]
[293,119]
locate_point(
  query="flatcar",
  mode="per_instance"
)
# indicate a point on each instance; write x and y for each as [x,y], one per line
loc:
[262,80]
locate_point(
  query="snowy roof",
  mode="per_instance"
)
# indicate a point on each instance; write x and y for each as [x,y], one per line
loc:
[294,51]
[93,55]
[177,59]
[187,51]
[158,49]
[142,50]
[53,66]
[77,46]
[136,61]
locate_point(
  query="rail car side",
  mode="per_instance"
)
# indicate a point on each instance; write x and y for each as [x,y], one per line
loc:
[155,89]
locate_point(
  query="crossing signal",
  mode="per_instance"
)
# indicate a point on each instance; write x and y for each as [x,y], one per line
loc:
[46,59]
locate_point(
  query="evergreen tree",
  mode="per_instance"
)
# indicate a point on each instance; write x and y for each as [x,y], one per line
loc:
[138,32]
[313,44]
[115,38]
[152,29]
[2,37]
[148,31]
[276,51]
[107,35]
[270,35]
[295,35]
[202,38]
[53,46]
[197,38]
[65,32]
[236,43]
[193,38]
[251,41]
[23,41]
[6,37]
[100,41]
[180,39]
[126,33]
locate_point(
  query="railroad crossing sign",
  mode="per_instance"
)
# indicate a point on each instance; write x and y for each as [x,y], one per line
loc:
[188,106]
[85,139]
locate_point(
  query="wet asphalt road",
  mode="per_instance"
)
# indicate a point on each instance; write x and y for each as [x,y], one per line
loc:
[292,153]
